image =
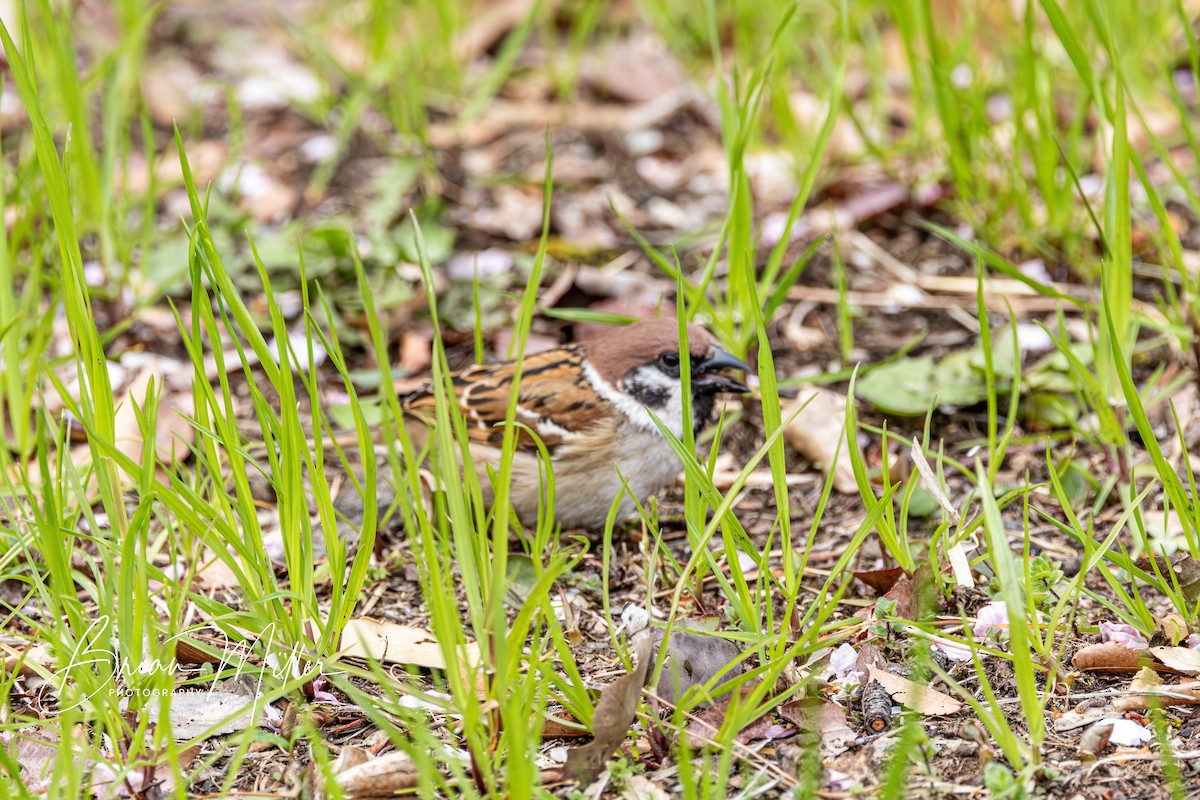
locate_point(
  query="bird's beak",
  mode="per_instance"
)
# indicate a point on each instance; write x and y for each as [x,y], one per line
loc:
[706,374]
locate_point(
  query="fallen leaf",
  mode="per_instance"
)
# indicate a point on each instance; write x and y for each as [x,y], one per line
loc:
[610,723]
[918,697]
[1181,659]
[1108,657]
[385,776]
[488,25]
[214,713]
[1173,626]
[159,781]
[881,580]
[1073,719]
[817,433]
[513,213]
[1186,569]
[172,432]
[1147,680]
[214,574]
[703,727]
[909,387]
[868,657]
[639,787]
[560,728]
[416,353]
[398,644]
[1094,740]
[31,661]
[904,593]
[823,719]
[36,752]
[636,68]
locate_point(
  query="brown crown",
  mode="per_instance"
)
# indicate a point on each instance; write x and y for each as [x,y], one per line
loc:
[635,345]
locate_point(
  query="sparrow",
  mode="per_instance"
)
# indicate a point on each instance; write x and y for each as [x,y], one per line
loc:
[590,405]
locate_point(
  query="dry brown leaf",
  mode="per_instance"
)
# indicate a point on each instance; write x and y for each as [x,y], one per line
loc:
[1181,659]
[398,644]
[1185,567]
[881,580]
[1173,626]
[869,656]
[350,756]
[636,68]
[31,661]
[140,783]
[824,720]
[188,652]
[560,729]
[1147,680]
[919,698]
[903,592]
[639,787]
[172,88]
[416,352]
[702,727]
[36,750]
[172,432]
[513,213]
[1108,657]
[614,714]
[206,159]
[816,432]
[215,574]
[1094,740]
[385,776]
[487,26]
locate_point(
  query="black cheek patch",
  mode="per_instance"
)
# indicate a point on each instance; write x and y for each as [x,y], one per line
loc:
[648,394]
[702,408]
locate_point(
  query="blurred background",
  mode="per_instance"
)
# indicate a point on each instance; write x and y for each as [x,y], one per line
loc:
[991,118]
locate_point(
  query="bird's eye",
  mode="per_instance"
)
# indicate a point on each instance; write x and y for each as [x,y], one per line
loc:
[669,360]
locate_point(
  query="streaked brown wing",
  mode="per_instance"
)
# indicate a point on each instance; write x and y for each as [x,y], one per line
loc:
[555,399]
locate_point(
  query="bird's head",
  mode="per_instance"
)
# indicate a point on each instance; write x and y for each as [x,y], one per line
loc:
[641,364]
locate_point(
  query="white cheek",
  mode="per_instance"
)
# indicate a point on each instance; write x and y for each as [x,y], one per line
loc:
[672,414]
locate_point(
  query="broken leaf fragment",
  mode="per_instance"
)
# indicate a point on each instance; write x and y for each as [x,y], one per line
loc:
[820,721]
[1147,680]
[610,723]
[398,644]
[361,776]
[817,432]
[1108,656]
[916,696]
